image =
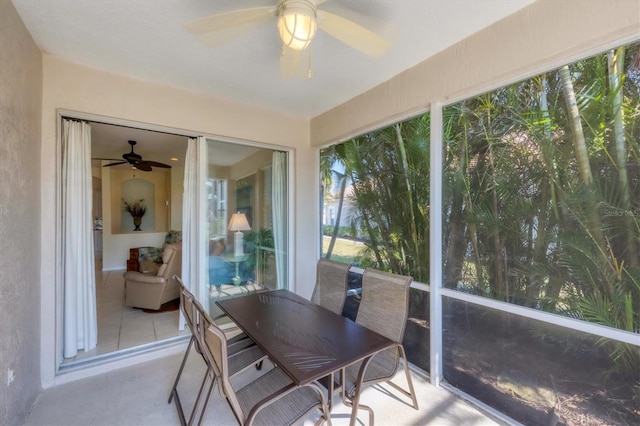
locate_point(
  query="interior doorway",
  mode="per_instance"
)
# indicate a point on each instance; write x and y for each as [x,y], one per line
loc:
[124,329]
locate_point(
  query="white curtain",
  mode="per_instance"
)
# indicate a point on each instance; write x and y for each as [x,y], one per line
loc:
[188,217]
[80,330]
[193,202]
[279,208]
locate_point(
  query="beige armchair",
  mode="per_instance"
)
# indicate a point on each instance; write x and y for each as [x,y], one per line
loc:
[151,289]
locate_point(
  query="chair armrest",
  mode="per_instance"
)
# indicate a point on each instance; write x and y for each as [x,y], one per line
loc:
[144,278]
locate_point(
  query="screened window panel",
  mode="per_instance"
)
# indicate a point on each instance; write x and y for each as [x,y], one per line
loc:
[533,371]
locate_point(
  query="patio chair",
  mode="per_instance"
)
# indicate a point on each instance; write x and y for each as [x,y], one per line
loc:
[330,290]
[272,399]
[188,313]
[384,308]
[196,318]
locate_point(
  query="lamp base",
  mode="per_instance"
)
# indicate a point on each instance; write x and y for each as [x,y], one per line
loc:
[238,244]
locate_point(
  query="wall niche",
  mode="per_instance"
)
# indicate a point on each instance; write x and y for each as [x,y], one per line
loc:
[138,193]
[153,188]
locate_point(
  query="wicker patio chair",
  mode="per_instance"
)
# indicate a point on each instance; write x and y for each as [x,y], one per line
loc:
[196,318]
[330,290]
[384,308]
[272,399]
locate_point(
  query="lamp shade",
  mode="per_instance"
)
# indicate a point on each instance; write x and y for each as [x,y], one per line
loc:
[238,222]
[297,23]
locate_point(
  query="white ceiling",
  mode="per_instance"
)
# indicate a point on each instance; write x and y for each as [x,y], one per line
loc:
[146,40]
[110,141]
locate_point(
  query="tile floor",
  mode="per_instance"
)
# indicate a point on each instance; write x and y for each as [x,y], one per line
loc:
[122,327]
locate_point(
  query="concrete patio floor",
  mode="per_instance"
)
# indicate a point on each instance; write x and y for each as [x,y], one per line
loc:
[137,395]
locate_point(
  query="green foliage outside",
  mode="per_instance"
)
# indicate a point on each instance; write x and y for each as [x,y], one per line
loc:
[255,243]
[343,231]
[389,172]
[345,250]
[541,196]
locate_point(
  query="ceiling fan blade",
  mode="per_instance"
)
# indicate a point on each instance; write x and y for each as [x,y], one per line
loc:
[142,165]
[156,164]
[295,64]
[220,37]
[115,164]
[231,19]
[353,34]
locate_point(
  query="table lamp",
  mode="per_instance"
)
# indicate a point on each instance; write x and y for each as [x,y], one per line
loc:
[239,223]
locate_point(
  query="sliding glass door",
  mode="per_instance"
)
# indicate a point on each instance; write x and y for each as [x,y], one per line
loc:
[246,229]
[208,182]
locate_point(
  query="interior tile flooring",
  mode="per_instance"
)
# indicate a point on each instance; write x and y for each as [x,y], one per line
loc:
[122,327]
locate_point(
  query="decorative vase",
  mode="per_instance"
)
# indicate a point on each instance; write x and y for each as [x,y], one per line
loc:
[137,221]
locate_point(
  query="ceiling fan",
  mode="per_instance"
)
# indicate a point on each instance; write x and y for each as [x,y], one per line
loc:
[297,22]
[136,161]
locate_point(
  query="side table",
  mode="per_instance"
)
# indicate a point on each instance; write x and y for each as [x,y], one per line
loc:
[236,260]
[132,262]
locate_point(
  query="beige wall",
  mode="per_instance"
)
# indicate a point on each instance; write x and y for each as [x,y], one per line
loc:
[250,166]
[542,36]
[255,161]
[116,242]
[75,88]
[20,138]
[177,188]
[161,182]
[116,245]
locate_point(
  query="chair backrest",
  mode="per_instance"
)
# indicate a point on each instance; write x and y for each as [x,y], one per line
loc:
[330,290]
[384,306]
[186,305]
[171,261]
[217,357]
[189,311]
[173,236]
[276,386]
[203,315]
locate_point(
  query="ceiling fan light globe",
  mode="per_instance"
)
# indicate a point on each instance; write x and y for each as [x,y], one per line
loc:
[297,24]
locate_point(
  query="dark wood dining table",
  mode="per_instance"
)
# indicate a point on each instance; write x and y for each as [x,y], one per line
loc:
[305,340]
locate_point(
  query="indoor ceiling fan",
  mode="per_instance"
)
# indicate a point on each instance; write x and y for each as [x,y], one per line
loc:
[136,161]
[297,23]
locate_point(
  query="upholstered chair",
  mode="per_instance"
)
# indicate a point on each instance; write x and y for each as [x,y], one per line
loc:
[150,257]
[151,289]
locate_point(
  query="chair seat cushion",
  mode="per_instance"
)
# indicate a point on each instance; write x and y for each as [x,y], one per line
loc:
[148,267]
[143,278]
[287,410]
